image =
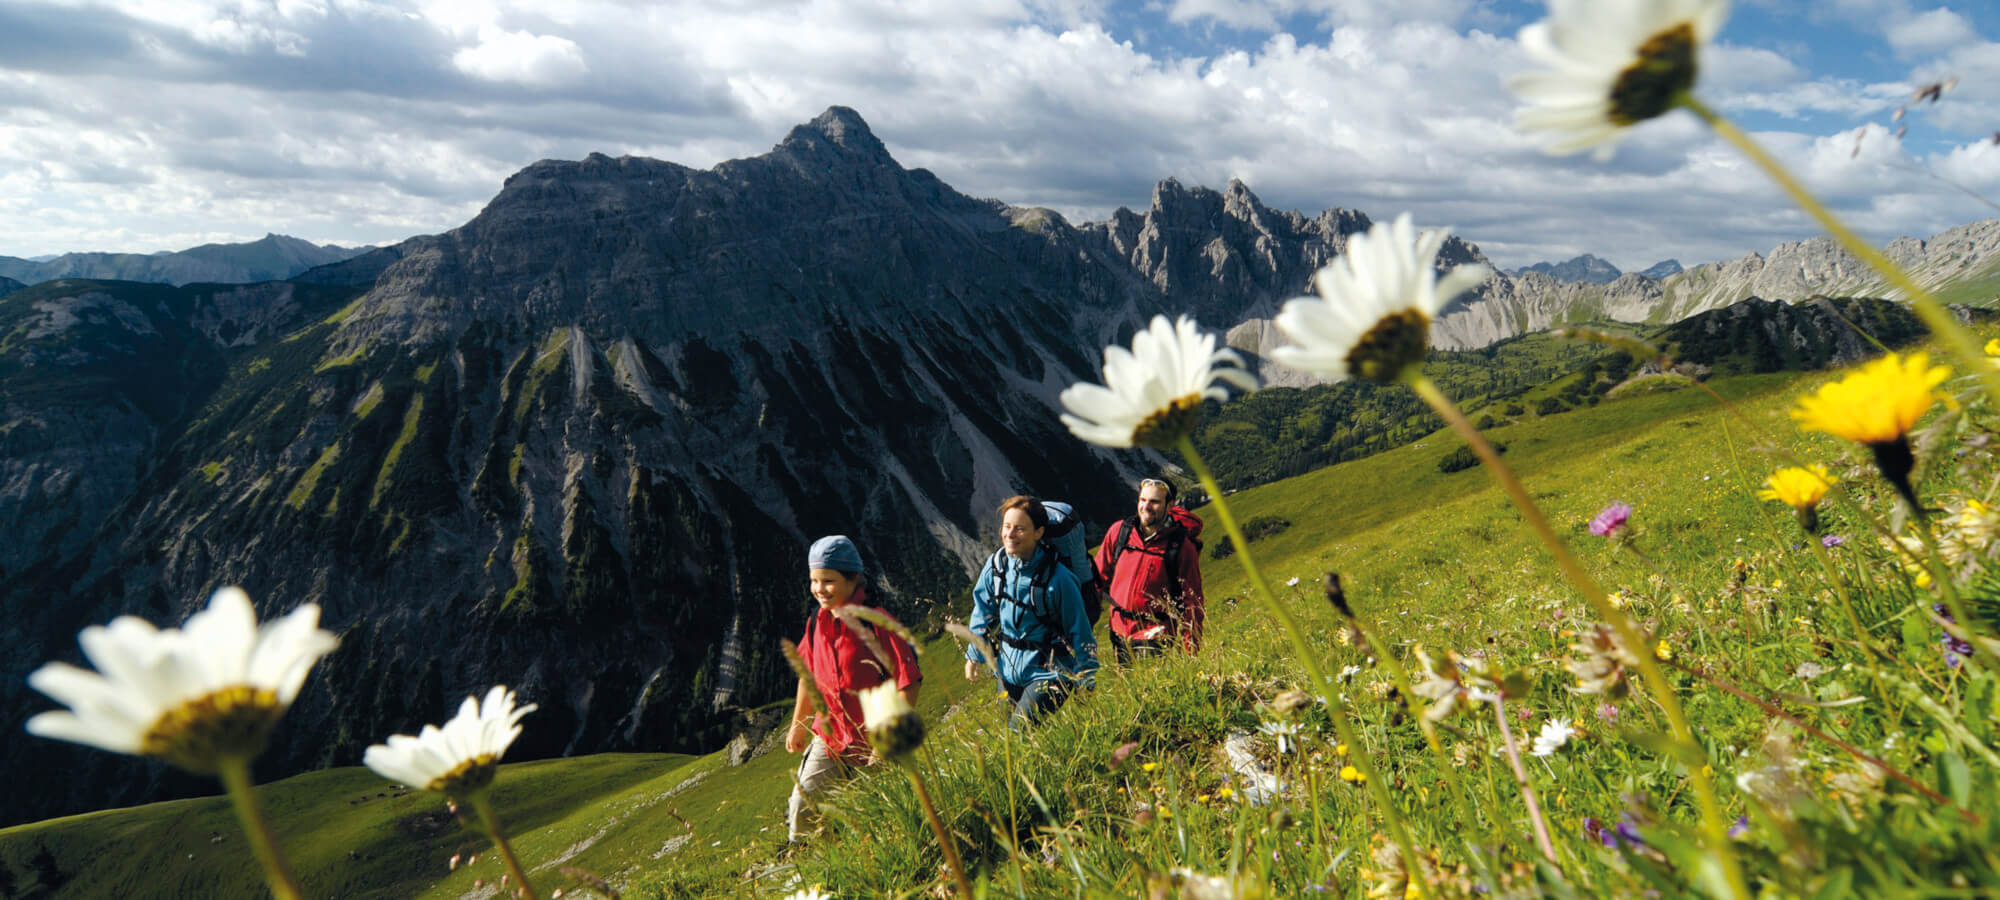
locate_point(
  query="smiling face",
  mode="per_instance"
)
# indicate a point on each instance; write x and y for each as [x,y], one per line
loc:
[1018,534]
[833,589]
[1152,506]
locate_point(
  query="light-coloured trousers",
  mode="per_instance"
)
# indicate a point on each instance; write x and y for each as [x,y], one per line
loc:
[817,770]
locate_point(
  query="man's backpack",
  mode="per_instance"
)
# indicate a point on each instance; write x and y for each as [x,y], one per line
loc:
[1065,534]
[1179,520]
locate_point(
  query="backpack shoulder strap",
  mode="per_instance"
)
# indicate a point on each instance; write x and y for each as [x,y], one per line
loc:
[1121,535]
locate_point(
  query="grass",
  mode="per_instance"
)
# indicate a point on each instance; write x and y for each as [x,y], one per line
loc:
[1429,559]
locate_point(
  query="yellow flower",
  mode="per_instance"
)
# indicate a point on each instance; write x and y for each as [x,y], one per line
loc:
[1340,749]
[1875,404]
[1226,793]
[1796,486]
[1664,651]
[1993,347]
[1350,773]
[1148,767]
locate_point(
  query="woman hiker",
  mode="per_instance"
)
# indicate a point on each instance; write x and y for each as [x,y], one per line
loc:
[1027,607]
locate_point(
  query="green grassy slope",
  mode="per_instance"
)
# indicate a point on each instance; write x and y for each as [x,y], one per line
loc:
[1429,557]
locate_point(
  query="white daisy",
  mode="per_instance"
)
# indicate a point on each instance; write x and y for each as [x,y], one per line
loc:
[1612,64]
[811,893]
[1373,316]
[462,757]
[1285,733]
[1555,733]
[1152,393]
[193,696]
[894,729]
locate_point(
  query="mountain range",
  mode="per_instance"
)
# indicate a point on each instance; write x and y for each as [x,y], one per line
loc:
[579,444]
[274,257]
[1591,270]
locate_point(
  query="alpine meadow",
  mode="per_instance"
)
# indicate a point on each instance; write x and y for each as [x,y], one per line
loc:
[502,561]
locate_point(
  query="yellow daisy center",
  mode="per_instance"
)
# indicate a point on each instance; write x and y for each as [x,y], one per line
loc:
[468,777]
[1665,70]
[898,737]
[1162,429]
[1396,342]
[197,735]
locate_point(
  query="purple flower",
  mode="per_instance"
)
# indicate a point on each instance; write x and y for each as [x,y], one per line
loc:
[1611,520]
[1625,834]
[1609,713]
[1831,540]
[1740,828]
[1956,649]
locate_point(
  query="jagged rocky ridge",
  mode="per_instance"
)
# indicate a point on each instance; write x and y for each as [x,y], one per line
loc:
[579,444]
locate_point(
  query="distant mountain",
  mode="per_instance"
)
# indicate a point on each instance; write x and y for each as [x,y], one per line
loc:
[275,257]
[1587,269]
[9,285]
[579,444]
[1662,269]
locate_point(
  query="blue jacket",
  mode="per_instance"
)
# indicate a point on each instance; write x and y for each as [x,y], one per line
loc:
[1063,619]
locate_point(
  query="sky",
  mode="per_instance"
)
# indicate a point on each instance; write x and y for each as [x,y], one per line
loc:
[162,124]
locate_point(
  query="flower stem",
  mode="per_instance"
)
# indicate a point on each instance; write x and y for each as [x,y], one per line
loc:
[1956,338]
[1714,827]
[235,774]
[1856,752]
[945,842]
[1309,658]
[1521,780]
[482,805]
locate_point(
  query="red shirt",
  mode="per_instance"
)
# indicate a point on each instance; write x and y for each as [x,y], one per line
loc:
[1142,606]
[842,664]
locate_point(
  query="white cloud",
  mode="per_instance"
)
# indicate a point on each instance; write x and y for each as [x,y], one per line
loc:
[1929,32]
[531,59]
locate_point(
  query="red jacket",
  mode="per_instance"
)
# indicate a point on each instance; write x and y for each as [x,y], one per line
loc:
[1139,590]
[842,664]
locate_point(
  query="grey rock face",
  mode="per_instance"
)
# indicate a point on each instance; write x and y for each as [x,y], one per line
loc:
[1662,269]
[1587,269]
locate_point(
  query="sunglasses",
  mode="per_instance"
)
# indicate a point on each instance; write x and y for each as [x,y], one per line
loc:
[1153,482]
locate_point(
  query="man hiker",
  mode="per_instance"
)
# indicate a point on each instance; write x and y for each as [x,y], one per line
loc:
[1151,564]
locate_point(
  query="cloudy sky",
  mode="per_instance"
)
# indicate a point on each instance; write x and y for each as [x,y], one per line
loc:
[160,124]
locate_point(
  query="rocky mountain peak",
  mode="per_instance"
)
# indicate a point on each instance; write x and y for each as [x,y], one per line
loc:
[839,132]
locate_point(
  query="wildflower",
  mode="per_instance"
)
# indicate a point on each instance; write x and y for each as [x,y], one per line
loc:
[1611,520]
[1875,405]
[1611,66]
[811,893]
[1225,792]
[459,759]
[1148,767]
[1993,347]
[1555,733]
[1608,713]
[195,696]
[1392,879]
[1956,649]
[1352,774]
[1152,393]
[1808,670]
[1373,315]
[894,729]
[1602,664]
[1739,828]
[1347,673]
[1664,651]
[1286,733]
[1294,582]
[1801,489]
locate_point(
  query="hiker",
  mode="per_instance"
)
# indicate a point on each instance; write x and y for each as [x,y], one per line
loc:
[1026,605]
[1151,566]
[841,663]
